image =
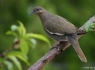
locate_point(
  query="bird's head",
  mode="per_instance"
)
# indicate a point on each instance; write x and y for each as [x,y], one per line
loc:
[38,10]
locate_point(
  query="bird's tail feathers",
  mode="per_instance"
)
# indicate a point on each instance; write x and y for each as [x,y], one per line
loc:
[74,42]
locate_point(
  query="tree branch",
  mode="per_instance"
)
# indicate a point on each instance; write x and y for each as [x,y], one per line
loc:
[56,49]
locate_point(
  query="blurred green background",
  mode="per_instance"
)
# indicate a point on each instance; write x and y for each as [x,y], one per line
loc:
[76,11]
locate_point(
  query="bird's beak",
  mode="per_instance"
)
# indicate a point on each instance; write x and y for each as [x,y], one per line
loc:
[32,13]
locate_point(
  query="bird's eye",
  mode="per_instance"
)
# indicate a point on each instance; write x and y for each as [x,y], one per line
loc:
[37,10]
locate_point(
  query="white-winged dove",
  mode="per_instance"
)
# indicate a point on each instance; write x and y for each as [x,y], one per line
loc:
[59,29]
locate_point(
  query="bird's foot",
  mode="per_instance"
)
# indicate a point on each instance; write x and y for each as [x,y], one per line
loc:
[58,43]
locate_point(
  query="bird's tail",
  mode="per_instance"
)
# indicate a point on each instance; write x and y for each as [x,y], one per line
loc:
[74,42]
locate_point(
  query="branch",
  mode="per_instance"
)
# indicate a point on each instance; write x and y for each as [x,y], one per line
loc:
[16,41]
[56,49]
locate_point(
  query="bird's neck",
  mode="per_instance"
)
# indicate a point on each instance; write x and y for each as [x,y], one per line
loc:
[45,16]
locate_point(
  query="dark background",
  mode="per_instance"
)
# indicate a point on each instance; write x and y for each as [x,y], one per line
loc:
[76,11]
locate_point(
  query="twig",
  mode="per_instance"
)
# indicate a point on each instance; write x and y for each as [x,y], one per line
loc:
[13,46]
[56,50]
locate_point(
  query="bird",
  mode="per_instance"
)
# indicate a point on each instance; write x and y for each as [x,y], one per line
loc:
[60,29]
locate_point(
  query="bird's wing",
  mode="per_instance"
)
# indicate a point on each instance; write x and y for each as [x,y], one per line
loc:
[59,26]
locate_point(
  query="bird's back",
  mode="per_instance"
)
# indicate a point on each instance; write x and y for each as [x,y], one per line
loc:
[57,24]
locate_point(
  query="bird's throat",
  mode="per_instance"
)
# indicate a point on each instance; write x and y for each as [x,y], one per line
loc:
[44,16]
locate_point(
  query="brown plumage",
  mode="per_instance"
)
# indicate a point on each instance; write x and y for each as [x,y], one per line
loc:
[59,29]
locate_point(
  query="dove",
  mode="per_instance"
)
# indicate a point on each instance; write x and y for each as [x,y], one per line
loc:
[59,29]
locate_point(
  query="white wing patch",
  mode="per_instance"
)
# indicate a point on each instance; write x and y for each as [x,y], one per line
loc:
[54,33]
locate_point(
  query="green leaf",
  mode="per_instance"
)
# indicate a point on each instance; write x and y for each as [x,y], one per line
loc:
[9,65]
[31,42]
[87,26]
[16,62]
[21,28]
[24,46]
[17,31]
[38,36]
[11,33]
[18,54]
[93,27]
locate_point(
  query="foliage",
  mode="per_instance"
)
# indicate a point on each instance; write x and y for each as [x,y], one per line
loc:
[25,40]
[90,27]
